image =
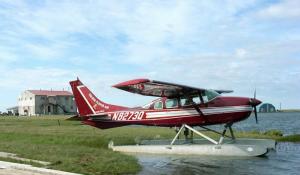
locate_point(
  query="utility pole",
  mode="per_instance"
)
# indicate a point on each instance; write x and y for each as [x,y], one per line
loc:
[280,106]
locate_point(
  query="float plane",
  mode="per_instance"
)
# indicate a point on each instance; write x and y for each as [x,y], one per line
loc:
[178,106]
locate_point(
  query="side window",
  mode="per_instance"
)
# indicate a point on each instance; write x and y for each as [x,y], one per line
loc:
[184,101]
[205,98]
[158,105]
[197,100]
[171,103]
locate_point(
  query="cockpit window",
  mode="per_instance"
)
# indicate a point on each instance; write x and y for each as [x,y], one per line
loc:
[208,95]
[158,105]
[171,103]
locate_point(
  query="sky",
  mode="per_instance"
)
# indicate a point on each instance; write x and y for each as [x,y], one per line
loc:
[220,44]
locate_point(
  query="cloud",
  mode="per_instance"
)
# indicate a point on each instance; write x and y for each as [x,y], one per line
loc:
[230,44]
[240,52]
[287,9]
[7,55]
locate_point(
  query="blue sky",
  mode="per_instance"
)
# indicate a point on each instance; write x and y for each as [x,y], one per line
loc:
[239,45]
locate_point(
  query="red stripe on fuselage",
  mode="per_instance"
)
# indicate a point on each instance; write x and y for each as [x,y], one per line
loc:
[177,121]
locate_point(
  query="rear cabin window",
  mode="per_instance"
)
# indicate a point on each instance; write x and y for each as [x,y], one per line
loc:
[171,103]
[158,105]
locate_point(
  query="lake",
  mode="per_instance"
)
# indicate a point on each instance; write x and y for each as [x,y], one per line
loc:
[285,160]
[288,123]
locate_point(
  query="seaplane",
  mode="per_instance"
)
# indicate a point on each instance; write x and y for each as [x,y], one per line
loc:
[182,107]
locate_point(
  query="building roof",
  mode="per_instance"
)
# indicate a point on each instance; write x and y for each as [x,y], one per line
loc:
[12,108]
[51,93]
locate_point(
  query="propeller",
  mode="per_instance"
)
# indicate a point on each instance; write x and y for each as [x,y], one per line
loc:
[255,113]
[254,102]
[255,110]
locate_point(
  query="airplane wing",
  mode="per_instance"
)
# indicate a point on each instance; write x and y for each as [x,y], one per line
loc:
[160,88]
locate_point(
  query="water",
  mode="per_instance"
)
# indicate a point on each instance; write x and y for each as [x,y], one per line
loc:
[285,160]
[288,123]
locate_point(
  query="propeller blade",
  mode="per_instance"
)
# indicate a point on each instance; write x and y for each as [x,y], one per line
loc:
[255,113]
[253,104]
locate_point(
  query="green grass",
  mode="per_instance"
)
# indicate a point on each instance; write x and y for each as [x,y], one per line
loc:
[290,138]
[68,146]
[73,147]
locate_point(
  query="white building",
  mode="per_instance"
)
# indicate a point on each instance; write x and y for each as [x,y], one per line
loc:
[36,102]
[13,110]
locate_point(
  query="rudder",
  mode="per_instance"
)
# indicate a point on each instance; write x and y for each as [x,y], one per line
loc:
[87,103]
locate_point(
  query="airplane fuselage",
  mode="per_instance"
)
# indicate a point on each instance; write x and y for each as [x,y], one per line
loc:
[218,111]
[197,108]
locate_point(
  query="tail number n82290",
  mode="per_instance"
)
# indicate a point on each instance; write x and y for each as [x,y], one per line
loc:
[128,115]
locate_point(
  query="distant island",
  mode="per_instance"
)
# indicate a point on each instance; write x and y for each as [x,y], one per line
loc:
[268,107]
[289,110]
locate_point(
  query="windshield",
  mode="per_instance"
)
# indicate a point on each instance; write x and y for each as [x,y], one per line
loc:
[209,95]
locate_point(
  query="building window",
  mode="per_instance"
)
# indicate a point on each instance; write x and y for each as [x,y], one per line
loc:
[67,98]
[71,107]
[30,98]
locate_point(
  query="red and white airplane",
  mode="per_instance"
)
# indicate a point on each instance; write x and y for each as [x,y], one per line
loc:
[178,106]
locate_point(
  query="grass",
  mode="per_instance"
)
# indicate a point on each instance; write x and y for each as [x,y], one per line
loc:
[73,147]
[68,146]
[290,138]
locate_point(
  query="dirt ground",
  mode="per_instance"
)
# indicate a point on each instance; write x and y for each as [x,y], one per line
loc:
[8,168]
[10,171]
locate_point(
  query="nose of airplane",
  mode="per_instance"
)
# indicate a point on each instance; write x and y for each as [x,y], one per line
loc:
[254,101]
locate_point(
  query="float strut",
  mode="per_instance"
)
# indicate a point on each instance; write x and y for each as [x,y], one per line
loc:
[177,135]
[193,131]
[231,133]
[224,132]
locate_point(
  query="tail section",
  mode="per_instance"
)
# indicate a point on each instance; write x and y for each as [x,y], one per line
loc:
[87,103]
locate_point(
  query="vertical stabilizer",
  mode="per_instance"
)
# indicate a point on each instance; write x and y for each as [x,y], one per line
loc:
[87,103]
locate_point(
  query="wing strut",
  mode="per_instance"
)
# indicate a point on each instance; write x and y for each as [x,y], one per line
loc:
[197,108]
